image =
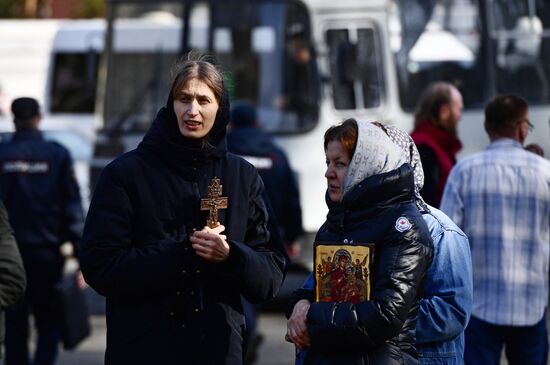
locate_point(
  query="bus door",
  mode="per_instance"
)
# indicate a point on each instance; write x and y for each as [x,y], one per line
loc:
[350,55]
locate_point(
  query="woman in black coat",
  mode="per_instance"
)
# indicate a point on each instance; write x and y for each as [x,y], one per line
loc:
[371,200]
[173,283]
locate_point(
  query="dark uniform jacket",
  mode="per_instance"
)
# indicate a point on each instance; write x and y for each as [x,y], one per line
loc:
[40,191]
[271,162]
[12,273]
[165,304]
[379,210]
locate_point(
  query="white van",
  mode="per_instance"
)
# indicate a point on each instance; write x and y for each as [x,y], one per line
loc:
[55,62]
[25,47]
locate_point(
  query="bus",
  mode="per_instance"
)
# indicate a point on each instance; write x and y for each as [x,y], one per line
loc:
[309,64]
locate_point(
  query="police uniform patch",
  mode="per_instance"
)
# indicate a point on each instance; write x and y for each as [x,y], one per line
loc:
[402,224]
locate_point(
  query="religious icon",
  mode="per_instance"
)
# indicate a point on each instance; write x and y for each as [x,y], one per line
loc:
[213,202]
[343,272]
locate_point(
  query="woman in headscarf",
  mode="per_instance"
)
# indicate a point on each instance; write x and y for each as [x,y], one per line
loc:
[173,283]
[371,199]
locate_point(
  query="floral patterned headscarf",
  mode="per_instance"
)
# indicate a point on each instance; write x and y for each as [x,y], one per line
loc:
[406,143]
[375,153]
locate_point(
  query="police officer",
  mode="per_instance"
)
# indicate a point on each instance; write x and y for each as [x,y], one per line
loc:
[39,189]
[254,145]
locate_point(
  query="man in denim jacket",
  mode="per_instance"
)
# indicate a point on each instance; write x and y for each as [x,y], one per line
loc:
[447,302]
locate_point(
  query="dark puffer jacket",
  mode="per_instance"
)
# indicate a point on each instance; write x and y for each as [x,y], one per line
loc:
[382,329]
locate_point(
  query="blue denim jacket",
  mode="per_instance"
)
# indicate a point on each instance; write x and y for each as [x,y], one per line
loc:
[447,303]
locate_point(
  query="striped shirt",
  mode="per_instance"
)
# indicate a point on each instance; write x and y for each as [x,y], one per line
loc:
[500,198]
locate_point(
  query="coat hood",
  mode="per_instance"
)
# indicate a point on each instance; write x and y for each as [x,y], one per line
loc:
[165,139]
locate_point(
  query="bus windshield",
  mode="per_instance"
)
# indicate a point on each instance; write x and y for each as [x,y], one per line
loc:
[264,49]
[483,48]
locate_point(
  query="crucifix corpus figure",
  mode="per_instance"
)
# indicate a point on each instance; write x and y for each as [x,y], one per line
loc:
[214,202]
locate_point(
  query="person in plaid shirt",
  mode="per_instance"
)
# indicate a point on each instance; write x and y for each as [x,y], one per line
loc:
[500,198]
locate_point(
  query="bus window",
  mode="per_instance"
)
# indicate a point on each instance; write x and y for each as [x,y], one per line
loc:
[140,87]
[266,50]
[445,40]
[342,83]
[437,41]
[522,42]
[356,68]
[301,86]
[146,42]
[369,67]
[74,82]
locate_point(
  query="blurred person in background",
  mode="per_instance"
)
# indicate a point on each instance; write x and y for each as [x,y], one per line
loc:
[500,198]
[41,194]
[245,138]
[12,273]
[435,133]
[535,148]
[301,88]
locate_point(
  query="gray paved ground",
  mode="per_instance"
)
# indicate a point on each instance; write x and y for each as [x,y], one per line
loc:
[273,351]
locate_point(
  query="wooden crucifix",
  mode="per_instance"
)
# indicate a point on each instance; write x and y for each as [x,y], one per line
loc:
[214,202]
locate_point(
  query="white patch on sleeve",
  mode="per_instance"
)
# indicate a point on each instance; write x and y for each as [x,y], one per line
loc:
[402,224]
[261,163]
[25,167]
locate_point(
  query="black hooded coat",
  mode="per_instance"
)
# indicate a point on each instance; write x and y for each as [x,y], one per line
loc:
[165,304]
[379,331]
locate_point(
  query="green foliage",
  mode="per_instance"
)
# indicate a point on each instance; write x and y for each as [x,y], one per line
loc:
[11,8]
[91,9]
